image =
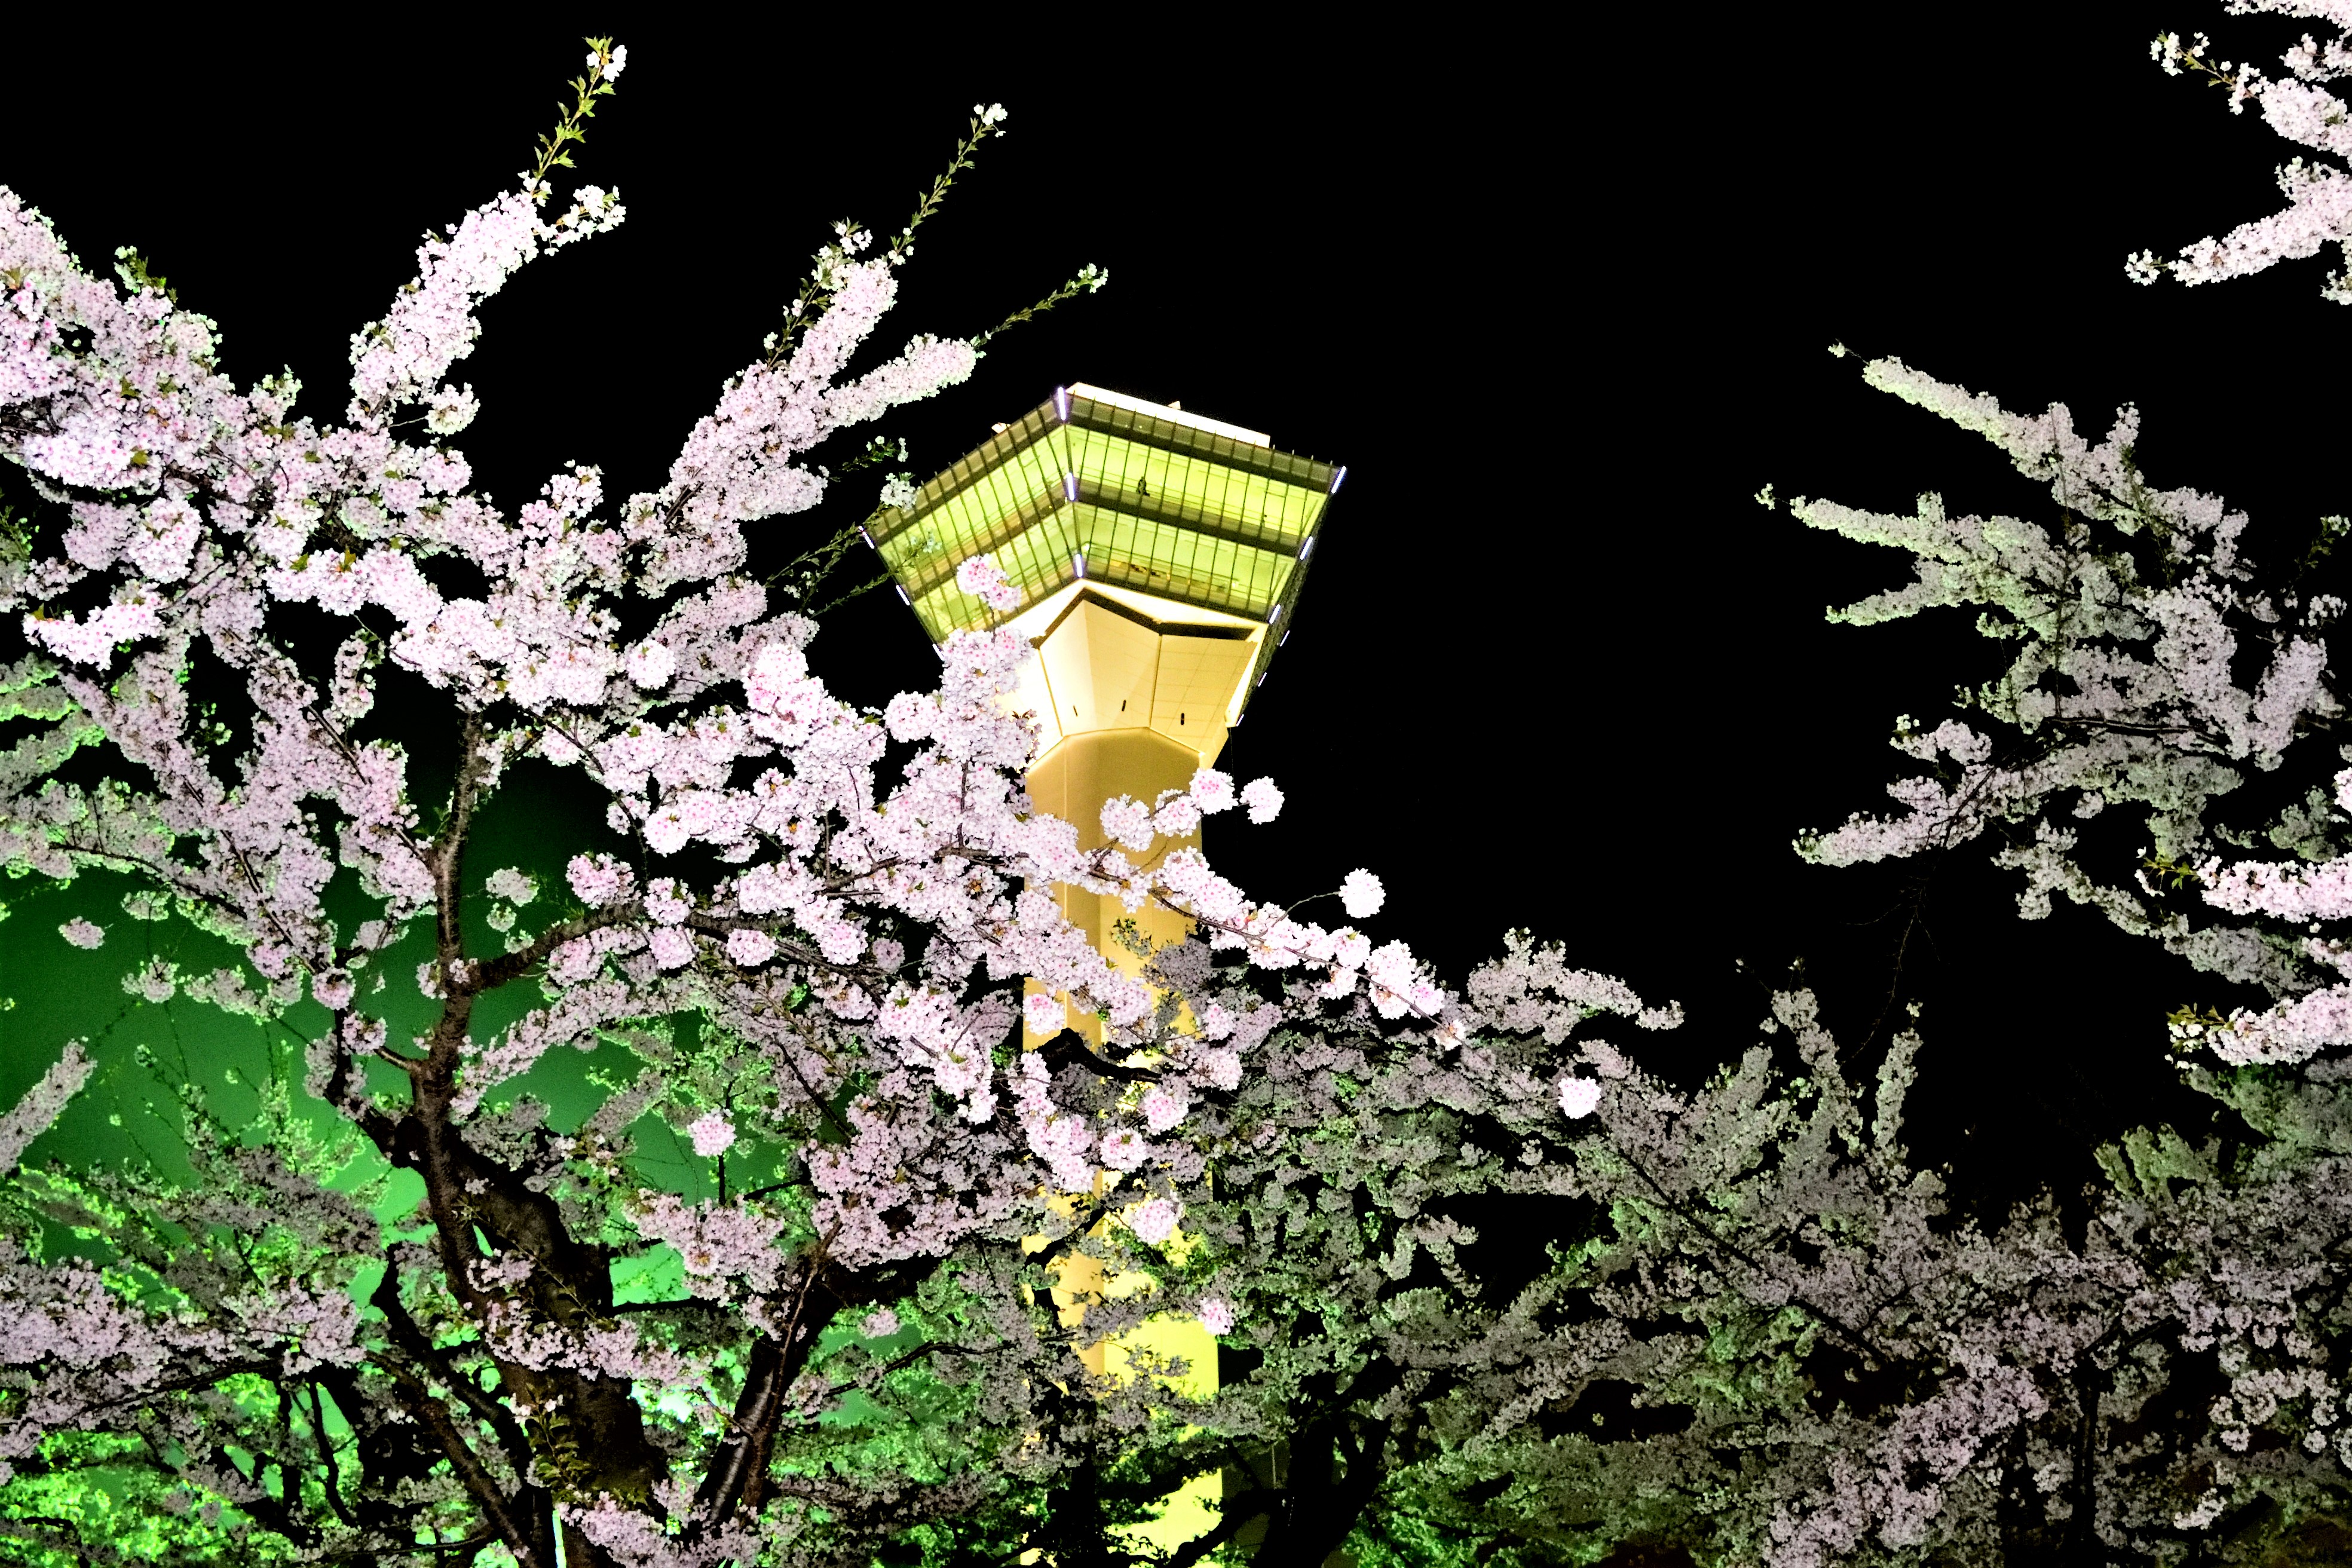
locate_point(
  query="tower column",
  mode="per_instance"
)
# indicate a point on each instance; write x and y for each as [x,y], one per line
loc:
[1073,780]
[1157,555]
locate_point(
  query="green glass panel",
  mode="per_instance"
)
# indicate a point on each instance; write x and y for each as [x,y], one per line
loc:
[1163,508]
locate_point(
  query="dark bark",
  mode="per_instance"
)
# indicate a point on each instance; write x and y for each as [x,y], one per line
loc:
[387,1454]
[594,1439]
[737,1473]
[2081,1529]
[1334,1472]
[1337,1462]
[1070,1049]
[1074,1534]
[522,1519]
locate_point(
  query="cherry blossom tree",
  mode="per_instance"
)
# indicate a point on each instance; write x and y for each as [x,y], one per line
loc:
[2134,619]
[1770,1338]
[811,946]
[1767,1336]
[1333,1244]
[1764,1335]
[275,673]
[1788,1347]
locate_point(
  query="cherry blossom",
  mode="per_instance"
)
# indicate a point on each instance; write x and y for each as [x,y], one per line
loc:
[515,886]
[712,1135]
[1263,799]
[1578,1096]
[1153,1220]
[651,665]
[749,946]
[1041,1012]
[984,580]
[31,1116]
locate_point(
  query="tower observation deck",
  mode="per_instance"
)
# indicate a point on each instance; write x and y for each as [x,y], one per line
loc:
[1175,546]
[1160,558]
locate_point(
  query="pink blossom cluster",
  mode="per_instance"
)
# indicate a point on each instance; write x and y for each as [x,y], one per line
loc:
[1152,1220]
[2298,107]
[985,581]
[1578,1096]
[1062,1139]
[31,1116]
[2155,690]
[1361,895]
[716,1244]
[712,1135]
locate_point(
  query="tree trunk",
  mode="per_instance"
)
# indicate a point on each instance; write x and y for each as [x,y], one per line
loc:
[1334,1472]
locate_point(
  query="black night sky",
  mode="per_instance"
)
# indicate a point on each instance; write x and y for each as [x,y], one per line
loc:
[1559,299]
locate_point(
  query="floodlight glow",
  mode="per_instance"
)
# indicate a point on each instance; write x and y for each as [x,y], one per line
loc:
[1062,404]
[902,593]
[1274,614]
[1336,478]
[1070,486]
[867,537]
[1306,547]
[1078,564]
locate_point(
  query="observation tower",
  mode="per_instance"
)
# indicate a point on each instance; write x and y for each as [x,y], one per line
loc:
[1159,557]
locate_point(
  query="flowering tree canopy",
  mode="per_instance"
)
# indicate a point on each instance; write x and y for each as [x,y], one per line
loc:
[2299,108]
[277,673]
[848,950]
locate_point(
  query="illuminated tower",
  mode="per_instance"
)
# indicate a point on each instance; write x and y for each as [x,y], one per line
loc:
[1160,557]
